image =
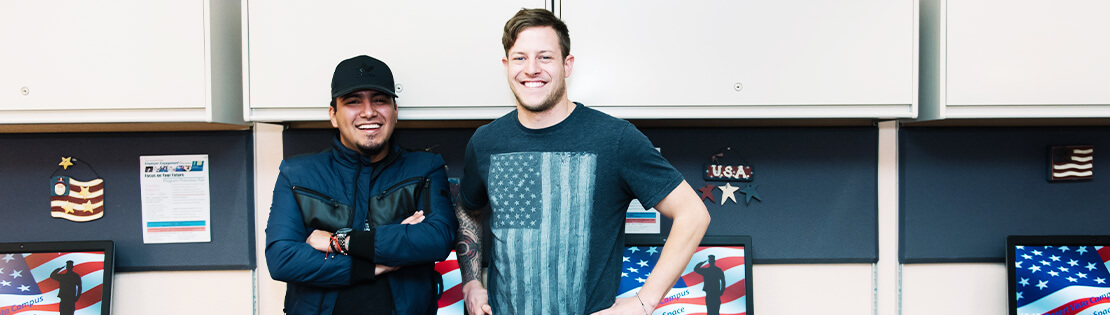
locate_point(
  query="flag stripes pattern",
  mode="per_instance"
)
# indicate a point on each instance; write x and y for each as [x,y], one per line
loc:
[541,204]
[450,303]
[1072,162]
[26,287]
[76,200]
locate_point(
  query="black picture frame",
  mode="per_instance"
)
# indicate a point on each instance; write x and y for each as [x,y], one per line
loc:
[1012,243]
[105,246]
[745,241]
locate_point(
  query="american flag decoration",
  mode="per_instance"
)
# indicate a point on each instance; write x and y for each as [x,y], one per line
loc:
[1069,163]
[729,173]
[26,286]
[76,200]
[1063,280]
[450,303]
[688,296]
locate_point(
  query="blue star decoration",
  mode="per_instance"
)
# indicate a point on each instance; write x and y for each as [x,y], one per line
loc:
[750,193]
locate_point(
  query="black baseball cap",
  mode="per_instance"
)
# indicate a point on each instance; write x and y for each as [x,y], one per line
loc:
[361,73]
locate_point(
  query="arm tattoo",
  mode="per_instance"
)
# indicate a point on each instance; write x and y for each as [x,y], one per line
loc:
[469,246]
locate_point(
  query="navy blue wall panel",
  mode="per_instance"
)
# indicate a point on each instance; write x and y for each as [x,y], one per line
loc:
[28,160]
[963,190]
[818,184]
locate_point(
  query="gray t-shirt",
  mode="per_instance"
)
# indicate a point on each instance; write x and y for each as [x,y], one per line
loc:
[558,197]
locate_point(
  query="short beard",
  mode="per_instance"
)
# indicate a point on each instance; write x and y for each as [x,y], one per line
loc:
[547,104]
[371,151]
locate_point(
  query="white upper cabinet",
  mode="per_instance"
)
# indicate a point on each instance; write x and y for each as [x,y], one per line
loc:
[70,61]
[445,55]
[745,59]
[1015,59]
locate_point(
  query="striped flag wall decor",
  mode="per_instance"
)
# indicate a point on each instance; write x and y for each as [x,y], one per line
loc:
[76,200]
[1068,163]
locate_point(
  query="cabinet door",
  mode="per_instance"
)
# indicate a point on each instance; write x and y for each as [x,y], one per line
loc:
[445,55]
[744,59]
[72,55]
[1022,52]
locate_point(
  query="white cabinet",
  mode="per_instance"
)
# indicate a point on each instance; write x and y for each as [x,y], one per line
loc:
[1015,59]
[745,59]
[70,61]
[445,55]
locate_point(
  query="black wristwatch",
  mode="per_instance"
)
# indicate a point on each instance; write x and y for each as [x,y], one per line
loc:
[341,238]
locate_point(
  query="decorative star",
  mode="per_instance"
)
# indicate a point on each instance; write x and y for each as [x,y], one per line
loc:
[707,192]
[68,207]
[652,250]
[8,257]
[85,192]
[88,206]
[66,163]
[641,280]
[642,263]
[634,249]
[624,274]
[16,274]
[625,259]
[728,192]
[1042,284]
[751,193]
[5,283]
[24,288]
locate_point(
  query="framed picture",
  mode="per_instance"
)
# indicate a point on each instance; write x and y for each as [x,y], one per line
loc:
[718,279]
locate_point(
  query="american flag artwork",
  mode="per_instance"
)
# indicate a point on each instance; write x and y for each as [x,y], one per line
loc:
[450,303]
[688,296]
[541,214]
[76,200]
[1072,162]
[27,288]
[1061,280]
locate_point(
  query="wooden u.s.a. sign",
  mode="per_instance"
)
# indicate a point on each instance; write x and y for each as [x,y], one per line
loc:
[729,173]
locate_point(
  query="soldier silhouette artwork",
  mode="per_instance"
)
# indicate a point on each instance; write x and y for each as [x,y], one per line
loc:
[69,288]
[713,285]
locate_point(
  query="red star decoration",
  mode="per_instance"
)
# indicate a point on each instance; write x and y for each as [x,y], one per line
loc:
[707,192]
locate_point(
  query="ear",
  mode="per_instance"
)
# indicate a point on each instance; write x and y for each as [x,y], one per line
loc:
[331,115]
[505,62]
[568,65]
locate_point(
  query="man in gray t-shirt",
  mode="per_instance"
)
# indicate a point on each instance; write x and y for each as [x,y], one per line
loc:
[557,177]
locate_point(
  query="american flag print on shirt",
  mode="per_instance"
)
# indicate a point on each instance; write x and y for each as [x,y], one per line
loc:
[26,287]
[687,296]
[1062,280]
[542,205]
[1072,162]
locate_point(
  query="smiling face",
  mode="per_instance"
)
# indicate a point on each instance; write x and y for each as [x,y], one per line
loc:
[365,120]
[537,70]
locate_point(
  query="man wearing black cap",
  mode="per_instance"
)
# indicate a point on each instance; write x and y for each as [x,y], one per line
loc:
[356,229]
